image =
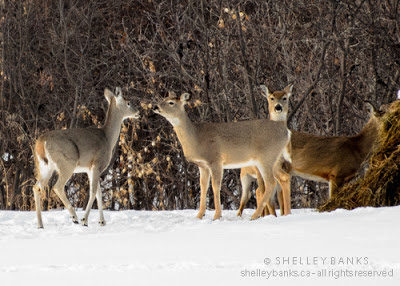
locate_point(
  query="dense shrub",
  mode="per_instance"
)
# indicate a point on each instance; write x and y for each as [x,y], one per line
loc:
[58,56]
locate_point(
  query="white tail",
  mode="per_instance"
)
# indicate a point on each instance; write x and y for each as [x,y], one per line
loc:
[83,150]
[278,106]
[218,146]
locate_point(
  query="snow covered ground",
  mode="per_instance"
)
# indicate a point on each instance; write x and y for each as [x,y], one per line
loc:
[174,248]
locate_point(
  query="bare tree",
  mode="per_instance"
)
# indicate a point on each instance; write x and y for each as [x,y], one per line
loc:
[56,58]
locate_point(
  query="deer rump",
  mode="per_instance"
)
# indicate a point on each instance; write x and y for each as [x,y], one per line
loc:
[75,147]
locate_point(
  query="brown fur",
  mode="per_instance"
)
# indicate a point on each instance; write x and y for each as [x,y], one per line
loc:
[40,153]
[333,159]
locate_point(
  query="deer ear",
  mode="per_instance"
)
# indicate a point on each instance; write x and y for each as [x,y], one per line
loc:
[172,94]
[118,91]
[108,94]
[373,110]
[288,89]
[185,97]
[264,90]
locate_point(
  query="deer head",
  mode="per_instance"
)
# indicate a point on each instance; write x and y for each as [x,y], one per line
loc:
[173,107]
[120,105]
[278,102]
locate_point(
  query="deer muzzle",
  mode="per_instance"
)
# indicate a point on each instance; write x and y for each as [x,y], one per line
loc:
[278,108]
[137,115]
[156,109]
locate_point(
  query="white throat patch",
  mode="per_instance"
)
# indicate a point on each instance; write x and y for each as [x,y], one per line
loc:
[174,121]
[278,116]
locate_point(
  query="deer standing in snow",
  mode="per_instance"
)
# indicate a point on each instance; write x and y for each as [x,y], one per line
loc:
[332,159]
[278,107]
[82,150]
[214,147]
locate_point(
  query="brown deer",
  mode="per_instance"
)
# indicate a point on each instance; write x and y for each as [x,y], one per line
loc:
[214,147]
[278,106]
[82,150]
[332,159]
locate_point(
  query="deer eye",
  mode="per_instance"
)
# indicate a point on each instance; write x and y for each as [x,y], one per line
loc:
[128,103]
[171,103]
[271,98]
[284,98]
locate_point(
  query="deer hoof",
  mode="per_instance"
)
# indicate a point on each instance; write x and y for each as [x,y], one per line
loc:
[200,215]
[74,220]
[83,222]
[217,217]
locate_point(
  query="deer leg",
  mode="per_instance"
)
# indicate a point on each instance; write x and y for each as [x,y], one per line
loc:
[267,198]
[334,184]
[42,180]
[287,203]
[59,190]
[36,190]
[280,197]
[216,179]
[260,192]
[99,198]
[283,179]
[204,184]
[259,196]
[94,182]
[245,181]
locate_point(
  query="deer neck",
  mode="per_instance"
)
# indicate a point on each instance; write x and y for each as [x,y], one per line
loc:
[281,117]
[112,125]
[186,132]
[368,136]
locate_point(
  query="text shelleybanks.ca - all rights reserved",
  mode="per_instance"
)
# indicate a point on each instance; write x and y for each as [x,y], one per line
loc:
[323,273]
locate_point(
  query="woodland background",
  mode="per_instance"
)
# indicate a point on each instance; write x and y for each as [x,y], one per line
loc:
[56,58]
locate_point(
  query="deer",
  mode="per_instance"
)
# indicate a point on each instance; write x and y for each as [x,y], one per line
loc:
[214,147]
[331,159]
[278,107]
[81,150]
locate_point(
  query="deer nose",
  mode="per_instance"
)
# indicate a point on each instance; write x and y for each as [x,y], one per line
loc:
[156,108]
[278,108]
[137,115]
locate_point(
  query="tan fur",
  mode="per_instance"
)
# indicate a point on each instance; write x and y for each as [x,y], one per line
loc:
[217,146]
[332,159]
[80,150]
[276,99]
[39,151]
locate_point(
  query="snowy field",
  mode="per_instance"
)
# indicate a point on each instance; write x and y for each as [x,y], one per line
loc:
[174,248]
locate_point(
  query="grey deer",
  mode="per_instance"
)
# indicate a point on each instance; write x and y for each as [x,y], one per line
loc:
[214,147]
[82,150]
